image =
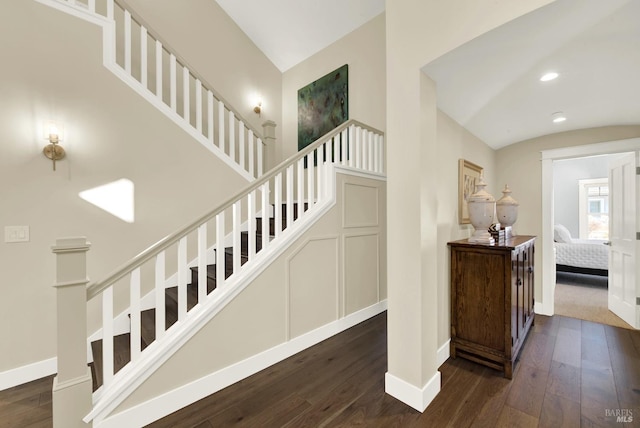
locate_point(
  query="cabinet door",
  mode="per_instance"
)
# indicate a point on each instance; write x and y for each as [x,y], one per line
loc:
[528,281]
[517,294]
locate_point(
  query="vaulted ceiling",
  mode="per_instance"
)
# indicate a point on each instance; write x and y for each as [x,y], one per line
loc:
[490,85]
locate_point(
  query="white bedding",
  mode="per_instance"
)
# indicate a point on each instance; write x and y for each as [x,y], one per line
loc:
[583,253]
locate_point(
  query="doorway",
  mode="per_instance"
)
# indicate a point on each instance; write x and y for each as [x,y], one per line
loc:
[547,304]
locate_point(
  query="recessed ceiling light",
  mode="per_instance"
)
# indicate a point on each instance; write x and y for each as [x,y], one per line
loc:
[558,117]
[548,76]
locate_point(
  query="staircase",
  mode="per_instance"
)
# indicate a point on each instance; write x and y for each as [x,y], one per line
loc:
[298,192]
[121,342]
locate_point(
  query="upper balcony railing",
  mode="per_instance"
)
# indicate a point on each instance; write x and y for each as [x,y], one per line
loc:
[151,67]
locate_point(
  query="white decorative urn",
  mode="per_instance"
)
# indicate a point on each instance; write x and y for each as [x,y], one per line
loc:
[481,211]
[507,210]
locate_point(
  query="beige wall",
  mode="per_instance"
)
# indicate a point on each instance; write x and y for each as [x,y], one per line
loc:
[364,51]
[417,32]
[52,69]
[519,166]
[334,269]
[213,45]
[454,143]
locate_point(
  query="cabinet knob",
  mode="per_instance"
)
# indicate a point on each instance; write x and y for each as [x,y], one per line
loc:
[519,282]
[530,269]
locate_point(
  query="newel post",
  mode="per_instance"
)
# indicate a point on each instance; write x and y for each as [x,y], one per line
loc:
[269,137]
[72,385]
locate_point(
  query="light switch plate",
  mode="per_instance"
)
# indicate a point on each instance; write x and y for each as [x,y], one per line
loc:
[16,234]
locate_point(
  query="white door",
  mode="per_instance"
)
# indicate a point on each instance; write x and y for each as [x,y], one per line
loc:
[622,236]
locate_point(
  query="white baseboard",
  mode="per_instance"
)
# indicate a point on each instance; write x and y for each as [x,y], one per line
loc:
[542,309]
[169,402]
[28,373]
[444,352]
[411,395]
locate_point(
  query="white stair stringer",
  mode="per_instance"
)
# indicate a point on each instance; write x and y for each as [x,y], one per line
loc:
[132,376]
[109,62]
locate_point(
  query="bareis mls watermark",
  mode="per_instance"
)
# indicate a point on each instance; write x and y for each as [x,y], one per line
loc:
[620,415]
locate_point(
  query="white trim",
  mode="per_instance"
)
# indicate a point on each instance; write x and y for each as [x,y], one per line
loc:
[167,403]
[443,353]
[546,305]
[28,373]
[411,395]
[619,146]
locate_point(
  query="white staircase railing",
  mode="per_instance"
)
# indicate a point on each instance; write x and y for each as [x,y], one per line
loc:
[298,190]
[141,59]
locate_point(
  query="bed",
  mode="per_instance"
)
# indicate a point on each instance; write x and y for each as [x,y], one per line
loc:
[580,255]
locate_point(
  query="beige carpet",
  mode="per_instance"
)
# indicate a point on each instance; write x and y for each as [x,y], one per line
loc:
[584,297]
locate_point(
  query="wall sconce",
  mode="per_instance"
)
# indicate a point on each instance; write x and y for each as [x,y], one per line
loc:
[258,108]
[54,132]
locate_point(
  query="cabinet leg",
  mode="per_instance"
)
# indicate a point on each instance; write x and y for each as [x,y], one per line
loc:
[452,350]
[508,370]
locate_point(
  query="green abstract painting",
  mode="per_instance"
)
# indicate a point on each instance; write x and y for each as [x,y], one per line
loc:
[322,106]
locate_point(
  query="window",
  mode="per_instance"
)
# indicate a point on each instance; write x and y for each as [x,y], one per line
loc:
[594,208]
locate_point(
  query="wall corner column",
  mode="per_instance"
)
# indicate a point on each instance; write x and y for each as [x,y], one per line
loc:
[72,387]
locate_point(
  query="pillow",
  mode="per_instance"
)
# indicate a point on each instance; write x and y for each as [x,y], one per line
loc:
[561,234]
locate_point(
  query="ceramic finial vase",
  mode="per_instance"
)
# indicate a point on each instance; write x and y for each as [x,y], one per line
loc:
[507,210]
[481,211]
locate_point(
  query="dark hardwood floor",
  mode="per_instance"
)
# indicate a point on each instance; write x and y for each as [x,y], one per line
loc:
[571,373]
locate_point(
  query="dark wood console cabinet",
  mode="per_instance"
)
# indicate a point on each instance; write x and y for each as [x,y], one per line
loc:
[491,300]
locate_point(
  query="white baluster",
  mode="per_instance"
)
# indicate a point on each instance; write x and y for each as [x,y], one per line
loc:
[182,278]
[173,81]
[160,294]
[289,196]
[210,121]
[159,70]
[310,176]
[376,154]
[232,136]
[221,126]
[336,149]
[260,148]
[371,151]
[220,257]
[186,102]
[365,149]
[351,145]
[134,304]
[320,171]
[110,13]
[143,56]
[251,149]
[127,42]
[278,204]
[251,224]
[241,143]
[358,150]
[343,146]
[265,215]
[107,336]
[202,263]
[381,164]
[236,237]
[199,106]
[300,187]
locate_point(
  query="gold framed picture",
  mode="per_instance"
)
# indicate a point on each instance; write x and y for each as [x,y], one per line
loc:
[469,174]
